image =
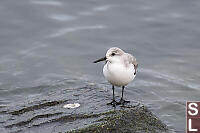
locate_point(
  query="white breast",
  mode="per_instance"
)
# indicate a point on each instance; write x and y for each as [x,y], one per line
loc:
[117,74]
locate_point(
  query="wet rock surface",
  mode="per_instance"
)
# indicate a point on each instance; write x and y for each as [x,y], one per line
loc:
[47,114]
[128,119]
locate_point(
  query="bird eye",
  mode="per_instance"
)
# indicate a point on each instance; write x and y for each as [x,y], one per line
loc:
[113,54]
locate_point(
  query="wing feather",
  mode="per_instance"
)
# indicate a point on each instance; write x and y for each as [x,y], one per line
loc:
[132,60]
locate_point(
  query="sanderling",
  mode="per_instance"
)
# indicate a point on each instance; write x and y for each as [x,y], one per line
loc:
[120,69]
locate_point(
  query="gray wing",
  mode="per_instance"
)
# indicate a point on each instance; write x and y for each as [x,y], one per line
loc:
[133,61]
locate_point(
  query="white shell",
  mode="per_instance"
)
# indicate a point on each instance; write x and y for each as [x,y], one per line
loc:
[71,105]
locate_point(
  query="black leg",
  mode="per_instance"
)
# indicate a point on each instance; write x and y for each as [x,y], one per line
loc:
[113,101]
[122,92]
[122,101]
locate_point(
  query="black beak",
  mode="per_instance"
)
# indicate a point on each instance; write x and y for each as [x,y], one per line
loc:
[102,59]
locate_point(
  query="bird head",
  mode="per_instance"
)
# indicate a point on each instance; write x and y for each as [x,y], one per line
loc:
[112,55]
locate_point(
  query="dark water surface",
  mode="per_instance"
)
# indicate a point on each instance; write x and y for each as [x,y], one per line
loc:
[47,48]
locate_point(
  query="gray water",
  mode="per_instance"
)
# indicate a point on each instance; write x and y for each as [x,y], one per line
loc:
[47,48]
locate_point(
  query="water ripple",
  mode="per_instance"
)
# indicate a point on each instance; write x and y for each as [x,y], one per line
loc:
[30,50]
[102,8]
[69,30]
[47,2]
[62,17]
[171,78]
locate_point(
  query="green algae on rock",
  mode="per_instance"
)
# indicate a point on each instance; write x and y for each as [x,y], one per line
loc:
[128,119]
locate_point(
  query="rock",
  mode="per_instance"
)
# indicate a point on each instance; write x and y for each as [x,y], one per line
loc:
[47,114]
[127,119]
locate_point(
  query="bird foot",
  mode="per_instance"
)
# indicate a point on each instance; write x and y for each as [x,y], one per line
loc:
[113,103]
[122,101]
